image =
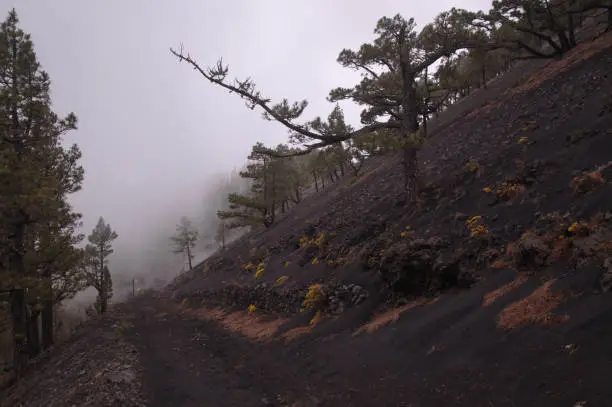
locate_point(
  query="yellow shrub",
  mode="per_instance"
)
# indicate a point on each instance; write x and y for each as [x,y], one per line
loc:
[314,296]
[260,270]
[472,166]
[478,229]
[406,232]
[252,308]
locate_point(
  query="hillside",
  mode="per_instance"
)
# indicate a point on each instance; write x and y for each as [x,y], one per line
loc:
[492,293]
[556,175]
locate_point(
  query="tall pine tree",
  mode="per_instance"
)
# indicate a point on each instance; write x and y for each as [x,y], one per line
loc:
[36,175]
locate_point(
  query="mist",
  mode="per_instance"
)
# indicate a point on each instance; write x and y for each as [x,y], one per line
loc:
[156,138]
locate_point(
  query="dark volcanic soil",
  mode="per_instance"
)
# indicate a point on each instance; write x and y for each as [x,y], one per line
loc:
[448,353]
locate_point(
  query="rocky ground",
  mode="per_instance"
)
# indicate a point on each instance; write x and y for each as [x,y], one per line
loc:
[95,367]
[494,293]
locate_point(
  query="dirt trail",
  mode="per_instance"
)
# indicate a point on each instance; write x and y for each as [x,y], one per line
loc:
[194,362]
[190,362]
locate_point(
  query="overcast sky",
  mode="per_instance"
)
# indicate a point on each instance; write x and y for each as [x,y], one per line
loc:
[151,129]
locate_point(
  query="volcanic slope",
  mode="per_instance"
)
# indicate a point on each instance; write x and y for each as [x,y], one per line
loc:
[495,291]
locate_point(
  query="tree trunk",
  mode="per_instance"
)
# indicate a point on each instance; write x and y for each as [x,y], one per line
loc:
[298,197]
[571,29]
[189,257]
[410,173]
[484,76]
[47,323]
[410,125]
[609,28]
[18,312]
[33,333]
[314,175]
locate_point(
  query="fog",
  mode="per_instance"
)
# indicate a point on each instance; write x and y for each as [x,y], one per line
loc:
[155,136]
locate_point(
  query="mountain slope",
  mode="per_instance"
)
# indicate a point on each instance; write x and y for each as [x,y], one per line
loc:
[533,164]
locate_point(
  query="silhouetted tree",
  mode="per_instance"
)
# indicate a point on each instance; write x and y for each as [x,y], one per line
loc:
[184,240]
[98,250]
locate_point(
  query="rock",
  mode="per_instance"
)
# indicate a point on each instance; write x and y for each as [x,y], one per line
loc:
[124,376]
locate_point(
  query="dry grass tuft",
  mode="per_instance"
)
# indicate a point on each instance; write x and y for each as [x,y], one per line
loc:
[296,332]
[496,294]
[589,181]
[536,308]
[252,327]
[392,315]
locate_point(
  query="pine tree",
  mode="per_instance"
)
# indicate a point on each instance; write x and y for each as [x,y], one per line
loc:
[184,239]
[36,175]
[390,67]
[98,250]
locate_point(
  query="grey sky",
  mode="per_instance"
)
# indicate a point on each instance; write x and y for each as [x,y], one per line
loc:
[152,130]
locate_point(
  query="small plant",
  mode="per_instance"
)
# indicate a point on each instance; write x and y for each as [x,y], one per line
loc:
[260,270]
[316,241]
[247,267]
[472,166]
[315,260]
[506,190]
[523,140]
[281,279]
[478,229]
[315,296]
[406,232]
[252,308]
[578,229]
[286,263]
[588,181]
